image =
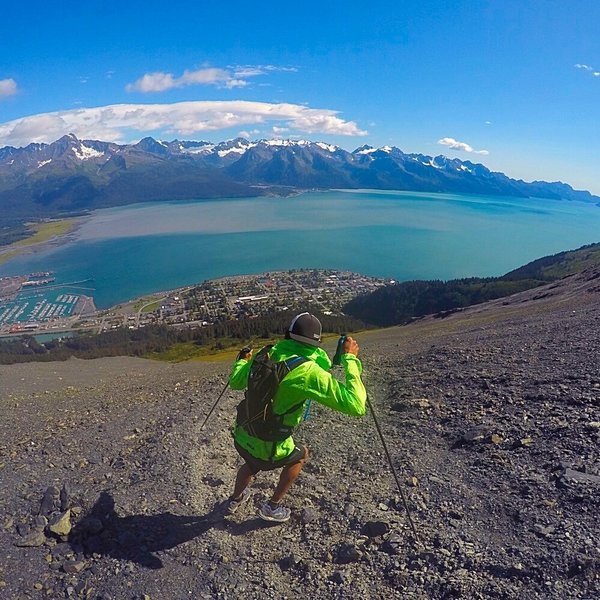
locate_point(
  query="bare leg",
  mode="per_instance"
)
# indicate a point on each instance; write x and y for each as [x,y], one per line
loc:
[242,481]
[289,474]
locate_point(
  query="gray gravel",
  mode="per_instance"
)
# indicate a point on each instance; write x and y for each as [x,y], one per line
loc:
[491,414]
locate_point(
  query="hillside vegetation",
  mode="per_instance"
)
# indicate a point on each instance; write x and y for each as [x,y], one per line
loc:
[400,303]
[161,341]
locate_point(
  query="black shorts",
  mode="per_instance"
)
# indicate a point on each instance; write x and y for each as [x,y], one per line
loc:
[256,464]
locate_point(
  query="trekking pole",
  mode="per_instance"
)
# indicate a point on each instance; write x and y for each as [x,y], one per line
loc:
[337,361]
[389,459]
[242,352]
[210,412]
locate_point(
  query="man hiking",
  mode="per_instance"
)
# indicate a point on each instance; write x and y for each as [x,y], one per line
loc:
[304,367]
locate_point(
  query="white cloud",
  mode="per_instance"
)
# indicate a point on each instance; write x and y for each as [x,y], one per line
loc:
[254,70]
[122,122]
[462,146]
[589,69]
[8,87]
[160,82]
[248,134]
[279,130]
[232,77]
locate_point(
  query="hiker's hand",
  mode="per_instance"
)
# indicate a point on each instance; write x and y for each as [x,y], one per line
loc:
[351,346]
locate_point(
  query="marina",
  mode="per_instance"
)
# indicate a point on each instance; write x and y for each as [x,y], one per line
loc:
[28,302]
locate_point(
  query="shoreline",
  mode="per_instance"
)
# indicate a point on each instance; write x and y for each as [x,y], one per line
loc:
[29,246]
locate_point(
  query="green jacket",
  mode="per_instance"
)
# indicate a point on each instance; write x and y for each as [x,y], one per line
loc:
[309,381]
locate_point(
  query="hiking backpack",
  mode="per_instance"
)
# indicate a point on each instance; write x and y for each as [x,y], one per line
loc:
[255,412]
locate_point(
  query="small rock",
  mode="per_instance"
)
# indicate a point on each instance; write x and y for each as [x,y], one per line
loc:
[49,501]
[495,439]
[413,481]
[73,566]
[40,522]
[32,540]
[337,577]
[392,545]
[476,434]
[347,553]
[65,497]
[375,528]
[383,506]
[287,562]
[543,531]
[573,476]
[349,510]
[60,524]
[309,515]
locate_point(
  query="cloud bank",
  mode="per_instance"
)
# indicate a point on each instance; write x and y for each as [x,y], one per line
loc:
[124,122]
[462,146]
[232,77]
[8,87]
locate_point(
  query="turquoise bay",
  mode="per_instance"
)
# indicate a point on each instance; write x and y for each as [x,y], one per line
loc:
[133,250]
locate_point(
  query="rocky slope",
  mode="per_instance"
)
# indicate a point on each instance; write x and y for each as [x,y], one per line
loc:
[491,415]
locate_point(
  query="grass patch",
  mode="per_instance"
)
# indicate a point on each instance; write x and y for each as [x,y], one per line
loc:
[150,307]
[222,350]
[42,232]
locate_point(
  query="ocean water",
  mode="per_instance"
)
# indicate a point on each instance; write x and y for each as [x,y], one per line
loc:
[133,250]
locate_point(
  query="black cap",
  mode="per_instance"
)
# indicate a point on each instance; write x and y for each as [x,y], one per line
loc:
[305,328]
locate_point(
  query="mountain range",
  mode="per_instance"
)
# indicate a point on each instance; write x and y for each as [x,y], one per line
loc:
[72,175]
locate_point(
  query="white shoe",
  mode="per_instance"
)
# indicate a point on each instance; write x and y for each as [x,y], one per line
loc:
[233,504]
[280,514]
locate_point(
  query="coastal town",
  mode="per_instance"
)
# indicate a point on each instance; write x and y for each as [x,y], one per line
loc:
[63,309]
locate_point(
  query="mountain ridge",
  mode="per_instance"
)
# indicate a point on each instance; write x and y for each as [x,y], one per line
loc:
[69,175]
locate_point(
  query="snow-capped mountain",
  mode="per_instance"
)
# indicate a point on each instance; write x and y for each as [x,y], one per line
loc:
[72,174]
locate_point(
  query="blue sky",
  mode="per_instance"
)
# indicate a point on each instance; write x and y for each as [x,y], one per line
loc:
[512,84]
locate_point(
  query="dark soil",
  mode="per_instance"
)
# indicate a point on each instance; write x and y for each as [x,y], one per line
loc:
[491,415]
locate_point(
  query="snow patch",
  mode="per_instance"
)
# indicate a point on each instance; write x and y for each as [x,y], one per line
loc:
[85,152]
[367,151]
[236,149]
[41,163]
[198,149]
[328,147]
[286,142]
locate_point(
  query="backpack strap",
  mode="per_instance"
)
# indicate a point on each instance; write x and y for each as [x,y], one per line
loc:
[291,364]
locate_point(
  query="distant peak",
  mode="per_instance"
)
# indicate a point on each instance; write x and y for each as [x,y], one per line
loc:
[364,149]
